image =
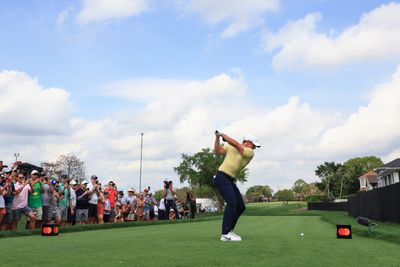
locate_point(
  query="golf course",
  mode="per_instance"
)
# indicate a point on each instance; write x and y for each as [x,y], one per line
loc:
[271,237]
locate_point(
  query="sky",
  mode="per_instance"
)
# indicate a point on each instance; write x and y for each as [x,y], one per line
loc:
[314,80]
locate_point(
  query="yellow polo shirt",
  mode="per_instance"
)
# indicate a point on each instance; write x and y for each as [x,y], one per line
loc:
[234,162]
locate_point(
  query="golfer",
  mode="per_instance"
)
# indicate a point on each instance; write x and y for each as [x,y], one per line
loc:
[237,156]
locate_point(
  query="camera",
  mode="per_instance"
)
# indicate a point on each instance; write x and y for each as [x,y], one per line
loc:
[167,184]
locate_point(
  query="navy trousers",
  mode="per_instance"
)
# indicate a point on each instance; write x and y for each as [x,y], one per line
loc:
[234,201]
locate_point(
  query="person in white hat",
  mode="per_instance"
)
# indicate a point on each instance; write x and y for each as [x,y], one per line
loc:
[237,156]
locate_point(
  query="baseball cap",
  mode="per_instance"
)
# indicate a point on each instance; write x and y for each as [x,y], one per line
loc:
[64,176]
[93,177]
[252,139]
[131,189]
[34,172]
[73,182]
[85,182]
[6,170]
[53,181]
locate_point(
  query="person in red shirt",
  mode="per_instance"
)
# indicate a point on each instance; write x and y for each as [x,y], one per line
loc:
[112,196]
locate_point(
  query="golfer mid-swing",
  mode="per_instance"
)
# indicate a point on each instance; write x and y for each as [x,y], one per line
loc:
[237,156]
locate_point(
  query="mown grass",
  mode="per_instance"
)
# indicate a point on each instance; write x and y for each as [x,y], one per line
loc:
[385,231]
[267,241]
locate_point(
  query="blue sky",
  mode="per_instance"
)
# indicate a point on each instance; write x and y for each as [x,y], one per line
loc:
[324,58]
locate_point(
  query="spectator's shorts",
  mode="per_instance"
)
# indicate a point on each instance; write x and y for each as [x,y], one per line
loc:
[17,213]
[64,213]
[71,217]
[3,211]
[147,214]
[92,210]
[81,215]
[45,213]
[54,214]
[38,212]
[8,216]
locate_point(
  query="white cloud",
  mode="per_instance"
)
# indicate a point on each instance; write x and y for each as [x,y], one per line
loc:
[373,129]
[29,109]
[299,44]
[103,10]
[241,15]
[180,117]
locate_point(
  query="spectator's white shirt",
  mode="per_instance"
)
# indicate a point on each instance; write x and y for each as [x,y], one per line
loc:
[2,201]
[73,198]
[93,198]
[131,199]
[156,211]
[46,195]
[162,204]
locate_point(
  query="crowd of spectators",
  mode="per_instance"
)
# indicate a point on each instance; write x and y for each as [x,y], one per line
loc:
[67,202]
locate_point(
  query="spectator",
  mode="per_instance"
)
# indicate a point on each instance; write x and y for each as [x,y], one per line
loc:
[72,203]
[107,207]
[8,195]
[100,206]
[45,197]
[64,202]
[186,210]
[121,197]
[131,202]
[112,192]
[131,198]
[179,206]
[54,198]
[82,204]
[140,208]
[35,198]
[20,203]
[169,193]
[118,216]
[149,207]
[2,202]
[162,214]
[192,204]
[172,214]
[93,199]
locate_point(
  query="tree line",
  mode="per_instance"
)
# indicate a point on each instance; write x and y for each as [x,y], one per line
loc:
[336,180]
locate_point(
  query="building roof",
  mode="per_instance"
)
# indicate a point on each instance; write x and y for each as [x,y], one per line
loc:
[393,164]
[371,176]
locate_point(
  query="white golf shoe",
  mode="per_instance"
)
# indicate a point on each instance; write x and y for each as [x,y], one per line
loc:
[232,233]
[230,237]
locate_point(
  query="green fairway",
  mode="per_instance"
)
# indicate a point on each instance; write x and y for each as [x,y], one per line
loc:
[267,241]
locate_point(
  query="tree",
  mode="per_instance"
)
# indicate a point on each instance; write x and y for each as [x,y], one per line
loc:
[284,195]
[70,165]
[356,167]
[301,188]
[199,169]
[257,193]
[330,174]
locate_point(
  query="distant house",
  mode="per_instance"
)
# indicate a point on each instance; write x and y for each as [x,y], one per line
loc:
[368,181]
[389,173]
